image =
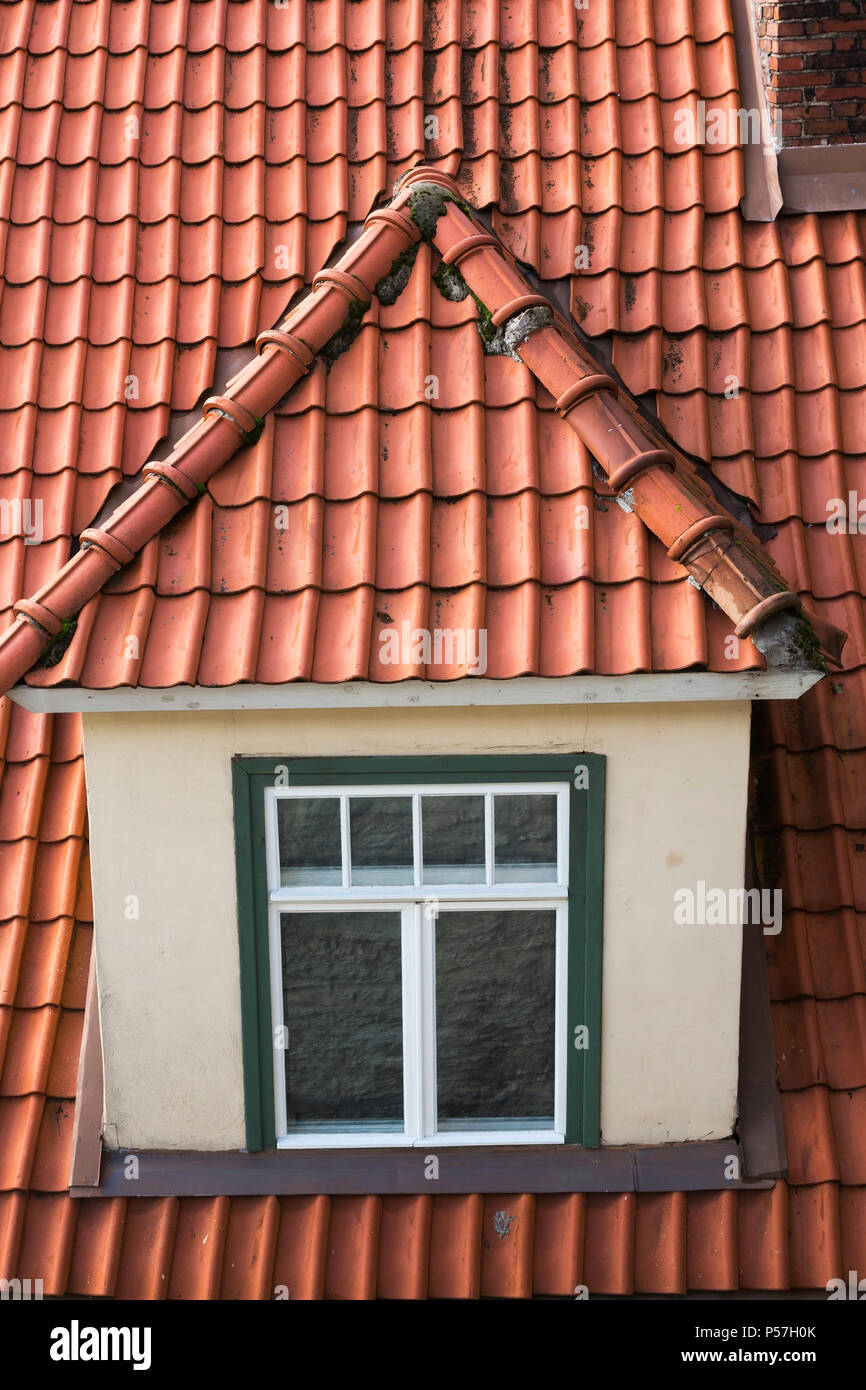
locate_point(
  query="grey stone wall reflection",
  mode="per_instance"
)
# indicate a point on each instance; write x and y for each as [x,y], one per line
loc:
[343,1008]
[495,1001]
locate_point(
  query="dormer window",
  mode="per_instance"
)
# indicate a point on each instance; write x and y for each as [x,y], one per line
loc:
[430,949]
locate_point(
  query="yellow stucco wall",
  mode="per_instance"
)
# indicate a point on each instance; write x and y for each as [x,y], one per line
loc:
[160,803]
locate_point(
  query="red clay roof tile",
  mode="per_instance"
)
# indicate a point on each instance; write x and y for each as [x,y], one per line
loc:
[147,1249]
[711,1241]
[353,1248]
[250,1246]
[560,1220]
[814,1235]
[47,1233]
[608,1265]
[507,1236]
[299,1262]
[660,1243]
[762,1238]
[96,1252]
[455,1247]
[809,1136]
[199,1243]
[27,1049]
[404,1247]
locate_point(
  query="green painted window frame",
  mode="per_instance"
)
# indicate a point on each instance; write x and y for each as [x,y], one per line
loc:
[250,778]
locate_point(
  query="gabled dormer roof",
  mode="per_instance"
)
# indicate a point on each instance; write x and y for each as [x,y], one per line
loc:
[251,553]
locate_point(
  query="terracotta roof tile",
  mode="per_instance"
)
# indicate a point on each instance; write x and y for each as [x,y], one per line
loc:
[47,1234]
[96,1252]
[27,1050]
[762,1238]
[249,1249]
[835,950]
[404,1258]
[711,1241]
[809,1136]
[146,1252]
[199,1243]
[660,1243]
[455,1247]
[609,1243]
[814,1235]
[353,1248]
[19,1131]
[37,967]
[507,1237]
[852,1226]
[299,1263]
[560,1220]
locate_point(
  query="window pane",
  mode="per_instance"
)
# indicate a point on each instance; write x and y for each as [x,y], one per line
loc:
[380,837]
[495,1016]
[309,838]
[343,1013]
[452,829]
[524,835]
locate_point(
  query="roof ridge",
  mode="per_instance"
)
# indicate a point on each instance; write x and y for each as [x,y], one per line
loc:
[658,482]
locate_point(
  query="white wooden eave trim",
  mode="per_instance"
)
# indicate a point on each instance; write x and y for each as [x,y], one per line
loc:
[680,686]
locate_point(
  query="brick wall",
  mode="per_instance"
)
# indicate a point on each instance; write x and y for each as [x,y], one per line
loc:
[814,58]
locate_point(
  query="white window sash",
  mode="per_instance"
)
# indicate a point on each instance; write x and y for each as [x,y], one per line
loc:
[418,904]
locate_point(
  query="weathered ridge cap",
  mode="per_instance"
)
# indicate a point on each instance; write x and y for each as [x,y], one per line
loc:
[642,466]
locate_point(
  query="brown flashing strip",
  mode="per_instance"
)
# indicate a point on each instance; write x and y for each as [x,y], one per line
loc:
[760,1125]
[87,1124]
[548,1168]
[763,197]
[738,575]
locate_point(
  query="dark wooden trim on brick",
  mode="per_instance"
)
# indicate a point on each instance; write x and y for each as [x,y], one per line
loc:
[335,1172]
